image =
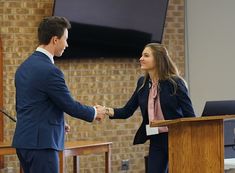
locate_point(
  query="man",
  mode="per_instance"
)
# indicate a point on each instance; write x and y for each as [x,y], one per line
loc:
[42,97]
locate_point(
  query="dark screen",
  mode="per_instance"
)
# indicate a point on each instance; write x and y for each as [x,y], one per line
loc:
[108,28]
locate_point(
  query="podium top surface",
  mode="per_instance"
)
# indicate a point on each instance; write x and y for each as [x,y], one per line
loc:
[158,123]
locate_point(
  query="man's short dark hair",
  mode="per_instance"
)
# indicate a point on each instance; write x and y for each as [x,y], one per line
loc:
[50,27]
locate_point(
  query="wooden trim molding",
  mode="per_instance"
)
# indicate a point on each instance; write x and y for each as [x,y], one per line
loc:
[1,99]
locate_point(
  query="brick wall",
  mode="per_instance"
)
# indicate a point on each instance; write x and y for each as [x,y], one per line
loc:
[107,82]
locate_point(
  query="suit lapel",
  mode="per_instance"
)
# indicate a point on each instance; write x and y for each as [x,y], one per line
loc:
[144,100]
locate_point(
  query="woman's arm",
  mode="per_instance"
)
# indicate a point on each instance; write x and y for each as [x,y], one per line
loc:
[130,107]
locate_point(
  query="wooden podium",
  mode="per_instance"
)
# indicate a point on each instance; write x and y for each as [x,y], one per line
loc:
[196,145]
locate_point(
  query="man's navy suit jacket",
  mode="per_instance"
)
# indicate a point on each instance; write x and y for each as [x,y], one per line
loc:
[173,105]
[42,97]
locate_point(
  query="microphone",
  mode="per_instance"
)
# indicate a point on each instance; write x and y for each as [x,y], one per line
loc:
[10,117]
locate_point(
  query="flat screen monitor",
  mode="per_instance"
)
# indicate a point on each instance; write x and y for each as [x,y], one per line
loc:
[111,28]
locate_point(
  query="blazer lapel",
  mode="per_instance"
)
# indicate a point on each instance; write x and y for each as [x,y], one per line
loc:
[144,101]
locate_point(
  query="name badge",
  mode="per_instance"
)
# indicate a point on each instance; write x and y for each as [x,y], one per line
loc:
[151,130]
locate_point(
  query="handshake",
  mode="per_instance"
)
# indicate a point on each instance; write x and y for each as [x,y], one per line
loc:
[102,111]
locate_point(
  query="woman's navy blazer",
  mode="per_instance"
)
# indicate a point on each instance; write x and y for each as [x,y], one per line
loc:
[173,105]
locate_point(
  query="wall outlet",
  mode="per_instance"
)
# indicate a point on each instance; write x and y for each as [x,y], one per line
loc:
[125,165]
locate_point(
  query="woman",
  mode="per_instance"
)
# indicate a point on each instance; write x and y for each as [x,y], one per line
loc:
[161,94]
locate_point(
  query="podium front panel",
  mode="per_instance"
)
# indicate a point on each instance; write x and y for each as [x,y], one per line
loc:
[196,147]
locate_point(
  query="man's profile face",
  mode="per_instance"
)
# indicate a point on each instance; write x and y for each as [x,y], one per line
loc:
[61,44]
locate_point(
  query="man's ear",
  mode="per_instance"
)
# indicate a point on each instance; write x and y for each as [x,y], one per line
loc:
[54,39]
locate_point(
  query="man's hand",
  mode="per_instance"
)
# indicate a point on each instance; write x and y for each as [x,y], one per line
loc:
[100,112]
[66,127]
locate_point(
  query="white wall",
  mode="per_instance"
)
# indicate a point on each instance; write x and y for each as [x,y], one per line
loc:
[210,50]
